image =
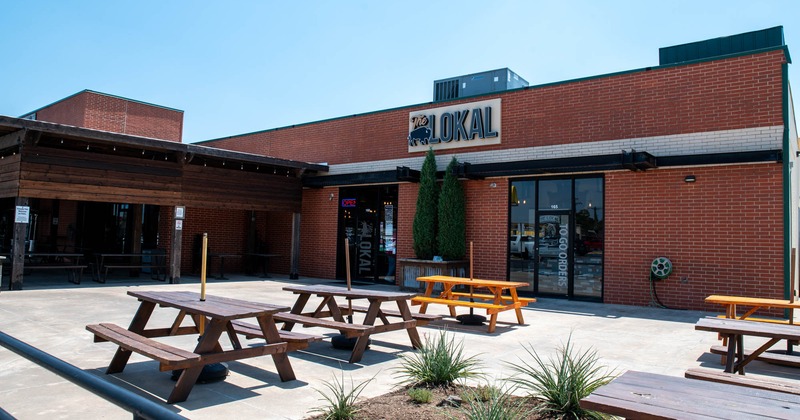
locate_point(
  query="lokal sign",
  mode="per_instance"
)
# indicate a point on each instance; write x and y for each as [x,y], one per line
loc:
[455,126]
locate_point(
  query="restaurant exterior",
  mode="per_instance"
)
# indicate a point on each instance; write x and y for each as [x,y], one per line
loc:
[574,187]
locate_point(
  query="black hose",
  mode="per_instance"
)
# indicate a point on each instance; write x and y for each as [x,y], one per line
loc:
[654,295]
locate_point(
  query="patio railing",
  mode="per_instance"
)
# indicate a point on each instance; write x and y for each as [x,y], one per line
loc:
[140,407]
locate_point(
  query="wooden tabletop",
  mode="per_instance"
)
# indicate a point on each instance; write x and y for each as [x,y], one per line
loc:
[739,326]
[213,306]
[353,293]
[473,282]
[749,301]
[652,396]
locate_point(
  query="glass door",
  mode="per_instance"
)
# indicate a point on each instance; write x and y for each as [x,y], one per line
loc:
[367,218]
[553,247]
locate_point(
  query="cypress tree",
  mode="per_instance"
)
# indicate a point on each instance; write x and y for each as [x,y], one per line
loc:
[427,208]
[452,216]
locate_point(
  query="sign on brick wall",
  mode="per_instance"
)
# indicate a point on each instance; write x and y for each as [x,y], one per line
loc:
[456,126]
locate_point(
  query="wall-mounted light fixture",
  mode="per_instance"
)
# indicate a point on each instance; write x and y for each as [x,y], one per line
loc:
[492,185]
[330,197]
[689,178]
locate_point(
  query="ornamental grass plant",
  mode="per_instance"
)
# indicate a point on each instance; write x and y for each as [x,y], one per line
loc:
[341,400]
[561,381]
[439,362]
[493,403]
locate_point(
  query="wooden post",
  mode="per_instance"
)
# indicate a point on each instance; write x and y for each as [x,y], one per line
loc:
[18,249]
[175,255]
[294,271]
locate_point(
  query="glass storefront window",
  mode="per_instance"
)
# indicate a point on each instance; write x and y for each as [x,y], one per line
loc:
[556,236]
[555,194]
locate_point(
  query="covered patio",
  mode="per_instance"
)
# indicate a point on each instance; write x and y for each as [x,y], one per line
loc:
[86,192]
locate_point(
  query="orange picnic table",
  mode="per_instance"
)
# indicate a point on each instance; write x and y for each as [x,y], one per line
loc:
[488,290]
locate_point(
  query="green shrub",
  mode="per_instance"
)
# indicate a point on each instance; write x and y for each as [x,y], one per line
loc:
[562,380]
[420,395]
[424,229]
[340,402]
[452,216]
[492,403]
[439,362]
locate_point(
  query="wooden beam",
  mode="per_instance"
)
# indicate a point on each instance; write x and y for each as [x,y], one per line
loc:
[294,270]
[12,139]
[175,255]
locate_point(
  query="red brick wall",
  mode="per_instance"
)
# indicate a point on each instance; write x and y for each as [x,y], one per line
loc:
[318,233]
[278,237]
[118,115]
[733,93]
[487,226]
[723,234]
[70,111]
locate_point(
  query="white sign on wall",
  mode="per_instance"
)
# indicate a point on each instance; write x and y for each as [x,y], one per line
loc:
[22,214]
[455,126]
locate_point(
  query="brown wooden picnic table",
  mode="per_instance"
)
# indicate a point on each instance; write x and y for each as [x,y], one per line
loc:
[640,395]
[217,314]
[375,310]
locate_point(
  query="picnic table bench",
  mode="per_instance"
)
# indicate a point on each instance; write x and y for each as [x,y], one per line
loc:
[449,296]
[734,330]
[70,262]
[154,261]
[638,395]
[747,381]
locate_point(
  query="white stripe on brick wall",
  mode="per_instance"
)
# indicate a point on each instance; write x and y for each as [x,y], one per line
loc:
[726,141]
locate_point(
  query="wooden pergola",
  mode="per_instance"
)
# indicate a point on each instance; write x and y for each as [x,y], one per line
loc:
[52,161]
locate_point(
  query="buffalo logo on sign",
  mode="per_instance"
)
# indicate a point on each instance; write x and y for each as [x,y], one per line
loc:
[421,134]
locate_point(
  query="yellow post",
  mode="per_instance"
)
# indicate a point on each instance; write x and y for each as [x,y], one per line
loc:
[202,325]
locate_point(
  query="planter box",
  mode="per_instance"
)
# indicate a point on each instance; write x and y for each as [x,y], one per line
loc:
[410,268]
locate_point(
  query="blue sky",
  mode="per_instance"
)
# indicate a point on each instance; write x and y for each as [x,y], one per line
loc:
[240,66]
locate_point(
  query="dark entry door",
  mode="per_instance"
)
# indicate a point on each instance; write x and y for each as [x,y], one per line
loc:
[368,219]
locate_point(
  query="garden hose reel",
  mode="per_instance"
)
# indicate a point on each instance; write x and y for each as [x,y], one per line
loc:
[660,269]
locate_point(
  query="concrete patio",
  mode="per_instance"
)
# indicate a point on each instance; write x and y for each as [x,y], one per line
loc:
[51,314]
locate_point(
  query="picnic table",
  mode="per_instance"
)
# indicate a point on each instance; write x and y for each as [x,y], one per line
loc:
[732,303]
[72,263]
[499,301]
[734,330]
[222,257]
[375,310]
[220,314]
[652,396]
[155,261]
[264,261]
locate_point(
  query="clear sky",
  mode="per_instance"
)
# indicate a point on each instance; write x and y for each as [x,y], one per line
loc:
[240,66]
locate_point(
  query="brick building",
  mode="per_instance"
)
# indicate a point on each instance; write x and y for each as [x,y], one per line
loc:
[692,160]
[575,187]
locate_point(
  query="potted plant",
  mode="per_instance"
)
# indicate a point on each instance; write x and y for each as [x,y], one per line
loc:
[427,225]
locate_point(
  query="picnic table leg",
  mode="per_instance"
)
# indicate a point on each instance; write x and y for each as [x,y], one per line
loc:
[731,356]
[492,322]
[362,341]
[515,300]
[137,325]
[413,335]
[428,292]
[297,309]
[208,342]
[281,360]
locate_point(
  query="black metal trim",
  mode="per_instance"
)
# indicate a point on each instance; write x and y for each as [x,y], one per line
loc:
[633,160]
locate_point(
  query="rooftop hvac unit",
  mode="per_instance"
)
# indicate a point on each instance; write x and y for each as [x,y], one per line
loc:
[476,84]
